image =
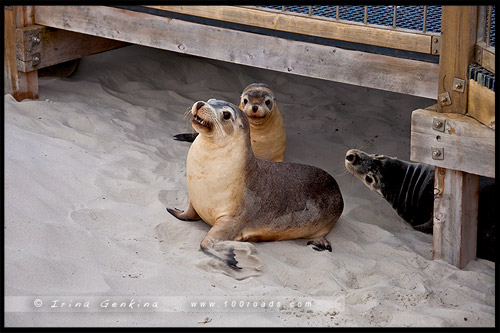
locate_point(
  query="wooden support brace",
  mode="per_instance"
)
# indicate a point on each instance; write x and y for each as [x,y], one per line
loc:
[22,85]
[331,63]
[455,216]
[481,104]
[39,47]
[458,38]
[453,141]
[465,149]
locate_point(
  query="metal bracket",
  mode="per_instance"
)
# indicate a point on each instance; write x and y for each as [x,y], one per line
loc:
[444,99]
[438,124]
[35,39]
[437,153]
[435,45]
[35,60]
[458,85]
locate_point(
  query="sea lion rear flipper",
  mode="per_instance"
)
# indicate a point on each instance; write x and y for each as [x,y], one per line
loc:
[320,244]
[189,214]
[222,230]
[185,137]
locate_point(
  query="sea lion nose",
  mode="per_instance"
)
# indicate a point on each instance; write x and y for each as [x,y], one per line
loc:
[255,108]
[351,158]
[199,105]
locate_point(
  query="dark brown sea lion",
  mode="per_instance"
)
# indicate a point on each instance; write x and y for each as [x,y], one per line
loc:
[409,188]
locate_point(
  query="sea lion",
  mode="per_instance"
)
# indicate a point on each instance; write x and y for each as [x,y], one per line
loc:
[267,129]
[409,187]
[245,198]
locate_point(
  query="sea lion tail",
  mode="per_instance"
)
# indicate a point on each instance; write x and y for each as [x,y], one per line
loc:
[189,137]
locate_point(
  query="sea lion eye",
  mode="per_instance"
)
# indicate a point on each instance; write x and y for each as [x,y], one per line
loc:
[245,101]
[226,115]
[368,179]
[268,102]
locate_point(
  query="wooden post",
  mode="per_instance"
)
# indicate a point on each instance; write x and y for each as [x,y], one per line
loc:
[455,216]
[458,37]
[20,85]
[456,192]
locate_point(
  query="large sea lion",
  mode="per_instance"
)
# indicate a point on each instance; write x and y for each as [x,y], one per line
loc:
[409,188]
[245,198]
[267,129]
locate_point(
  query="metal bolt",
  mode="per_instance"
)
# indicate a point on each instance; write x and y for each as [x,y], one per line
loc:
[438,124]
[435,40]
[36,58]
[435,51]
[443,99]
[458,85]
[35,39]
[436,153]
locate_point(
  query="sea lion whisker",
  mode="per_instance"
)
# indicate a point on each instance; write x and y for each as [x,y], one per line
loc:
[366,144]
[219,128]
[342,174]
[187,113]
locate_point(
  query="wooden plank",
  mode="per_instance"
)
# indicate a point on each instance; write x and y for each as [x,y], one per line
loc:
[56,46]
[488,57]
[467,145]
[324,62]
[20,85]
[458,38]
[432,107]
[455,216]
[481,104]
[485,56]
[314,26]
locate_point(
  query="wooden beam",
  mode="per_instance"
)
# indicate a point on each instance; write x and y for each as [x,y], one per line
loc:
[458,38]
[324,62]
[485,56]
[481,104]
[53,46]
[463,142]
[401,39]
[455,216]
[20,85]
[466,146]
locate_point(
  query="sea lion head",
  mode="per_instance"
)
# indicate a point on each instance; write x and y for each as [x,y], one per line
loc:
[374,170]
[257,101]
[218,119]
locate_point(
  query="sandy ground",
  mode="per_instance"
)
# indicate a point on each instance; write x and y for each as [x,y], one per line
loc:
[91,166]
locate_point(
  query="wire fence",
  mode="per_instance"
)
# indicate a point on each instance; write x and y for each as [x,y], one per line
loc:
[426,19]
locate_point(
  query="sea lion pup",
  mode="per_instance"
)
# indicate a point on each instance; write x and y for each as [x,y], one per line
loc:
[409,187]
[267,128]
[245,198]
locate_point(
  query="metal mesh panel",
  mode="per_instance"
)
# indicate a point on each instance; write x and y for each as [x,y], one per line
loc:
[482,76]
[492,27]
[408,17]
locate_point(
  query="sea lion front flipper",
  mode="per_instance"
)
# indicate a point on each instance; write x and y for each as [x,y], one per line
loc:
[189,214]
[320,244]
[185,137]
[222,230]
